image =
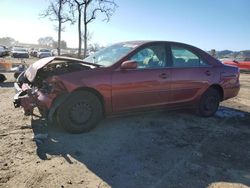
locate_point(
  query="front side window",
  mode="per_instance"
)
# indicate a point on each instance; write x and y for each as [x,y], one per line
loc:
[185,58]
[150,57]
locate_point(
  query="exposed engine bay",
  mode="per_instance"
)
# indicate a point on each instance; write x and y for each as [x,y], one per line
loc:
[57,68]
[34,84]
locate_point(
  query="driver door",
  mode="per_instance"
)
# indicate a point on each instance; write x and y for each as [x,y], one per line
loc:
[146,86]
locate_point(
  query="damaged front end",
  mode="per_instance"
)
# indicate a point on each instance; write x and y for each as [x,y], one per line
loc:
[40,85]
[29,96]
[25,98]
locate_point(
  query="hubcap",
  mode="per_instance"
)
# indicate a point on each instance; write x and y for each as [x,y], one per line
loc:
[80,112]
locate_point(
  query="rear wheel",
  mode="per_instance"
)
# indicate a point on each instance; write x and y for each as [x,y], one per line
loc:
[209,103]
[80,112]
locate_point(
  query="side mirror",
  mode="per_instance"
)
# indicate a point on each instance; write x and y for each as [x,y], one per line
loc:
[130,64]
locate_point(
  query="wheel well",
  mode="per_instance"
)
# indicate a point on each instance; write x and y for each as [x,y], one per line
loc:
[95,92]
[219,89]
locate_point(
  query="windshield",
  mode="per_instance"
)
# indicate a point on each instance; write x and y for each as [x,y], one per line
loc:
[20,49]
[44,50]
[110,55]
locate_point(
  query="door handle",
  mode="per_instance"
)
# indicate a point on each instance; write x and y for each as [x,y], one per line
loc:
[163,75]
[208,73]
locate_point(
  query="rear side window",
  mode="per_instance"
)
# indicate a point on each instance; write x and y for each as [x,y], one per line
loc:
[185,58]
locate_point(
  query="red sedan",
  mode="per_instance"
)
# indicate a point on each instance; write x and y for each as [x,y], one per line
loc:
[125,77]
[243,65]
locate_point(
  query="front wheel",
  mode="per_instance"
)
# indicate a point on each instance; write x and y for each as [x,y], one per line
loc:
[80,112]
[209,103]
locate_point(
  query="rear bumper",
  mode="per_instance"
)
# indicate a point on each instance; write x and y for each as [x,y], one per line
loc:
[231,92]
[20,55]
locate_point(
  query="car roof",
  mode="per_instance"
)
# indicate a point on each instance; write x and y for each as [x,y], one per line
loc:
[142,42]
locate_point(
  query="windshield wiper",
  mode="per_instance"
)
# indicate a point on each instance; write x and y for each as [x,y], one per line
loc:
[95,64]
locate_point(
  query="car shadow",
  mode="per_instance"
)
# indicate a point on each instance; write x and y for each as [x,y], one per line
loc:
[7,84]
[161,149]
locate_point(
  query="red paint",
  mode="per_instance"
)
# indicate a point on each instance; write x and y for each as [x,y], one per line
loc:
[137,89]
[243,65]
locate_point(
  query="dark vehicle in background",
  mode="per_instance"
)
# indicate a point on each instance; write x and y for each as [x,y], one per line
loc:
[2,78]
[125,78]
[43,52]
[19,69]
[4,51]
[33,52]
[19,52]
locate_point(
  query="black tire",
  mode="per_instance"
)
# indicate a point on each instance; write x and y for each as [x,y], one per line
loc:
[209,103]
[80,112]
[2,78]
[16,74]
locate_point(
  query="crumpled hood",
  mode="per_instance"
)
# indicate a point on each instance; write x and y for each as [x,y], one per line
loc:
[30,73]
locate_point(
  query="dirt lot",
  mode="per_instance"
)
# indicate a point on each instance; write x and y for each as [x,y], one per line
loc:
[160,149]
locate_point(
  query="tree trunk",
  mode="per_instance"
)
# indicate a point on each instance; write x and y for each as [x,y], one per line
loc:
[59,28]
[59,38]
[85,32]
[79,31]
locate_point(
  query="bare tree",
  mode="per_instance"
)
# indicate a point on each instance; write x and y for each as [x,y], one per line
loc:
[213,53]
[46,41]
[94,47]
[63,44]
[57,11]
[89,9]
[8,41]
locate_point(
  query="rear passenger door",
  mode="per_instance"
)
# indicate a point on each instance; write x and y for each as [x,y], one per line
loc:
[190,74]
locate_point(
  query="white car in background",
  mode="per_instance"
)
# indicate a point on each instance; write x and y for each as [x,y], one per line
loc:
[19,52]
[43,52]
[63,52]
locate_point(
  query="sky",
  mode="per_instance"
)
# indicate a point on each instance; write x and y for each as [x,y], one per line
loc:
[207,24]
